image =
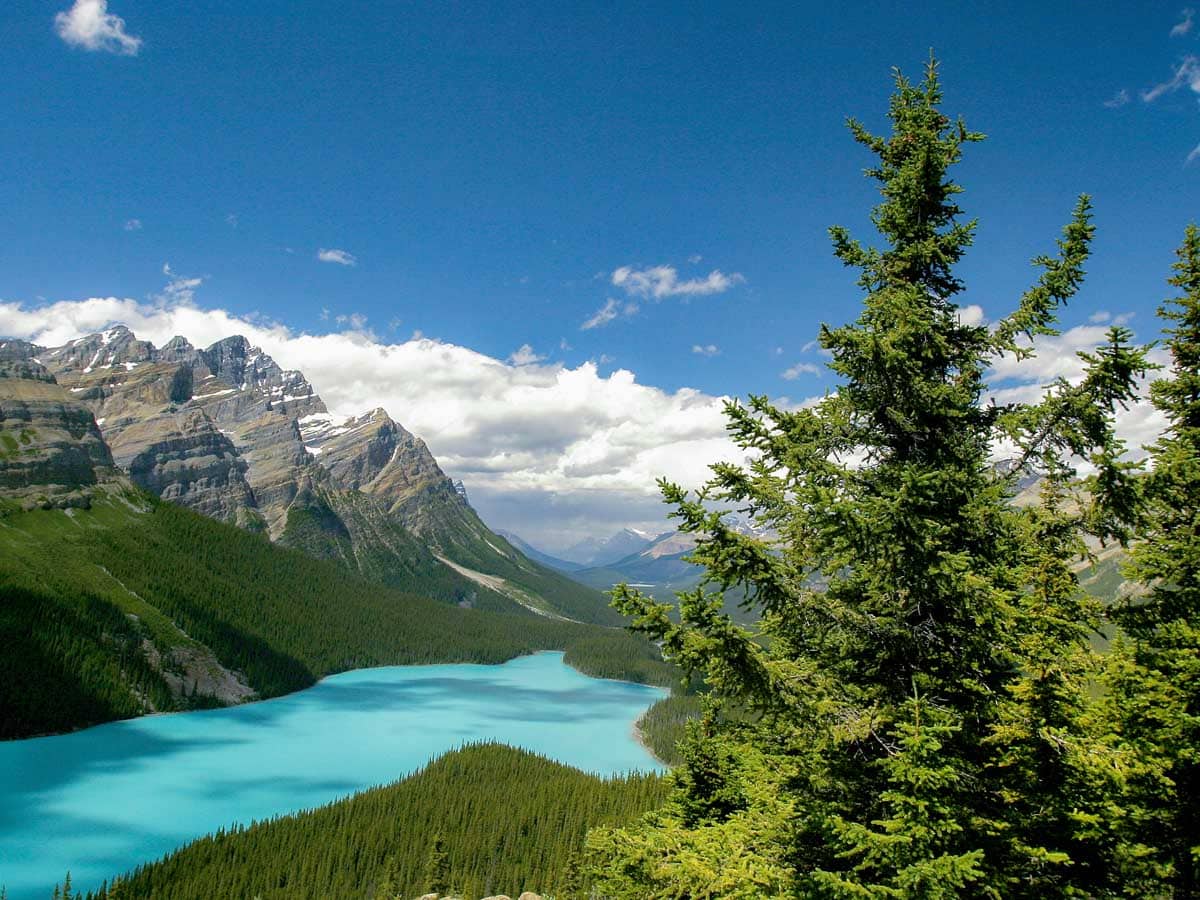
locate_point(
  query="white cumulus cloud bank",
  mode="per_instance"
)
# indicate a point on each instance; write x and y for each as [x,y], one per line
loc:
[89,24]
[550,452]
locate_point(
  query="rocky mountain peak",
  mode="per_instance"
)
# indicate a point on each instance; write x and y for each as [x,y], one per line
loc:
[115,348]
[17,349]
[229,358]
[18,360]
[179,349]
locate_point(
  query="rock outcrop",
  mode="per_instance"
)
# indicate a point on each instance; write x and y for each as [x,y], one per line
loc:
[141,398]
[373,454]
[49,441]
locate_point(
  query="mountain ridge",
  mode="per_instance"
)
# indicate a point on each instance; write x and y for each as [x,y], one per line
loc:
[226,431]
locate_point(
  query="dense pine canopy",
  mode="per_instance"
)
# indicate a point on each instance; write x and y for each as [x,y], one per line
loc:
[486,819]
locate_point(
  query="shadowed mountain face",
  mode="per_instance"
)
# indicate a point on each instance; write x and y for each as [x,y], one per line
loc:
[229,433]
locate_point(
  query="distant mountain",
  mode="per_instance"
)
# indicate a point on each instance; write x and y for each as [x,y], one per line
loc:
[227,432]
[658,568]
[602,551]
[657,564]
[562,565]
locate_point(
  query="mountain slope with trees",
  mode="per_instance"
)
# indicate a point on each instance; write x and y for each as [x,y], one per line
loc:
[227,432]
[129,606]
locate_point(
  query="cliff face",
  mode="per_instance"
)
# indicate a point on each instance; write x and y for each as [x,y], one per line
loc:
[142,399]
[49,441]
[373,454]
[227,432]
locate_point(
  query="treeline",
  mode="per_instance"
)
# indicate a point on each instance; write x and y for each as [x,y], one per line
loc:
[665,723]
[483,820]
[82,593]
[621,656]
[632,657]
[70,661]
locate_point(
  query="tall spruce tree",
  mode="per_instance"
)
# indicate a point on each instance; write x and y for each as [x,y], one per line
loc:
[1155,669]
[917,684]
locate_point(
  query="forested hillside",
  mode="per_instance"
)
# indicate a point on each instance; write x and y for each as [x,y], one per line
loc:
[448,828]
[135,605]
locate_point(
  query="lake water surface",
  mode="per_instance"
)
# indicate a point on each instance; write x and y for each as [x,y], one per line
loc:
[101,801]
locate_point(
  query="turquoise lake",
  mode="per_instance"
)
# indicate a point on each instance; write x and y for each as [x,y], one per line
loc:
[101,801]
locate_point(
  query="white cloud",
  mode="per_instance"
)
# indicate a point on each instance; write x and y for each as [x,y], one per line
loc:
[552,452]
[1058,357]
[1184,25]
[706,349]
[231,220]
[333,255]
[695,258]
[524,356]
[1117,100]
[800,368]
[546,450]
[133,225]
[356,321]
[1186,74]
[971,315]
[178,289]
[89,24]
[659,282]
[610,311]
[815,344]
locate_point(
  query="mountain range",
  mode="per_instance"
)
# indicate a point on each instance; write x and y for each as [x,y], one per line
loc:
[227,432]
[184,527]
[657,564]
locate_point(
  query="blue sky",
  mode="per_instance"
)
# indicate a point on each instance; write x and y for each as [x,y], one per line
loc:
[489,170]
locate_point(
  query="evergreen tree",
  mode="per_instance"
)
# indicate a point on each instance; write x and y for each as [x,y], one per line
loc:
[387,889]
[437,866]
[1155,670]
[921,662]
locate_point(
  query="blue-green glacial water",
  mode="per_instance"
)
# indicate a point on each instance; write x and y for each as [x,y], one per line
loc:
[101,801]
